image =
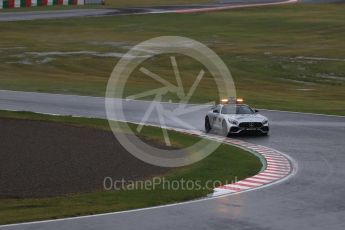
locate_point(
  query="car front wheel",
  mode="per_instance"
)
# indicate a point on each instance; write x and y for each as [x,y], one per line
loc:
[225,129]
[207,125]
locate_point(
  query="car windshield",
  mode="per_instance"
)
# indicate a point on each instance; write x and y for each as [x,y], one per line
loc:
[238,109]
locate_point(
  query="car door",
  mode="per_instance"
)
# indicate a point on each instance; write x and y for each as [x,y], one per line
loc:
[215,117]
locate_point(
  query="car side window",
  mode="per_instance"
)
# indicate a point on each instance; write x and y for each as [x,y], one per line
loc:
[216,109]
[223,110]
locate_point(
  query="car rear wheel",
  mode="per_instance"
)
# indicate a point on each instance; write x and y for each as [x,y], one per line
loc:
[207,125]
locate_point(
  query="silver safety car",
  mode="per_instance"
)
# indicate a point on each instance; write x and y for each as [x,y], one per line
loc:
[231,116]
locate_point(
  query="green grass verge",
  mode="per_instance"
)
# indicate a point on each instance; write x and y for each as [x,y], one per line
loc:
[225,164]
[281,57]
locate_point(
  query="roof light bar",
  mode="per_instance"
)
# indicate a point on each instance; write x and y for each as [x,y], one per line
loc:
[225,100]
[239,100]
[231,100]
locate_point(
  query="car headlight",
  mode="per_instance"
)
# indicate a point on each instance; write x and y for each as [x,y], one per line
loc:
[233,122]
[265,122]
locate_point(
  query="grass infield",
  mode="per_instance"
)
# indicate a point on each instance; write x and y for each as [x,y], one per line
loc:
[281,57]
[224,165]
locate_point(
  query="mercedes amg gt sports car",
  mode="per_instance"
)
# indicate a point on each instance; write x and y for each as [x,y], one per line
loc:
[233,117]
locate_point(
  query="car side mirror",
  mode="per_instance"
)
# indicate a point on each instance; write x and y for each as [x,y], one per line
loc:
[256,111]
[216,111]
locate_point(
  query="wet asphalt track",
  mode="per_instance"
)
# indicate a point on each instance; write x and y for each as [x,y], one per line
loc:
[58,14]
[313,199]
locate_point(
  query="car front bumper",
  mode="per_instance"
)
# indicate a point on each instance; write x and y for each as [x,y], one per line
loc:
[237,130]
